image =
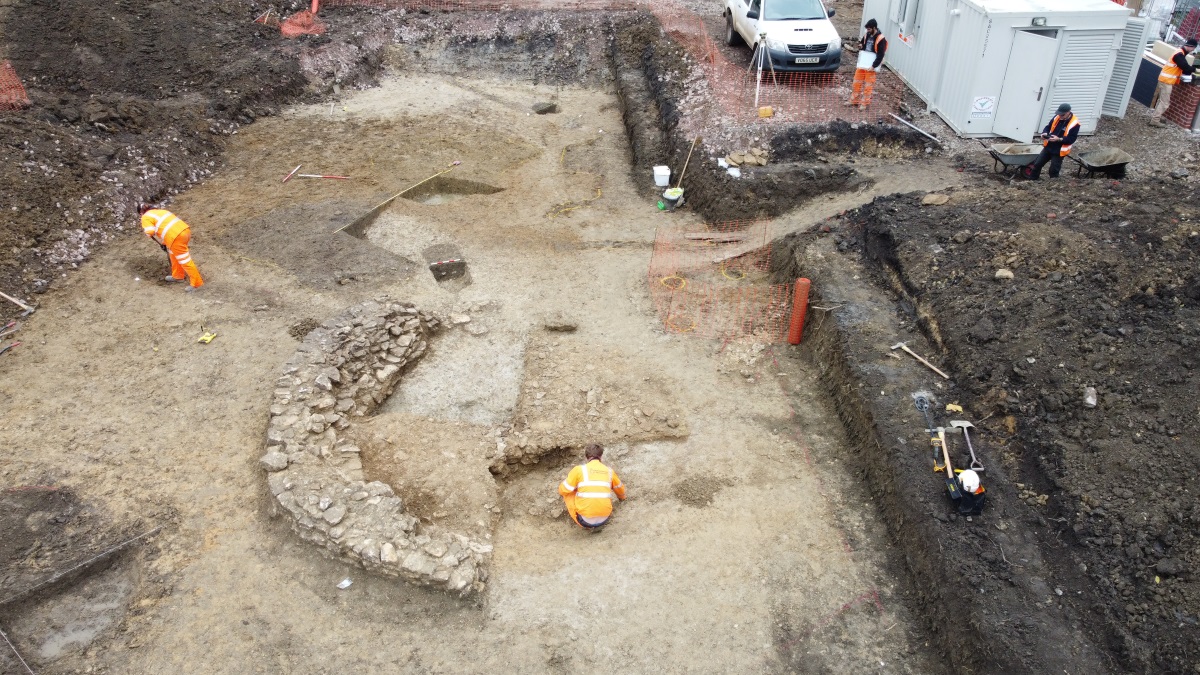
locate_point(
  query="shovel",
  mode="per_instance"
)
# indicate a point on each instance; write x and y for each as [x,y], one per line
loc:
[976,465]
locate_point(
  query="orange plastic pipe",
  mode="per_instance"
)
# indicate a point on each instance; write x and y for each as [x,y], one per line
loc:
[799,309]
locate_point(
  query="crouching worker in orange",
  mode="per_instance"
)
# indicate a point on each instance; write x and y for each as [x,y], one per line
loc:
[173,235]
[589,489]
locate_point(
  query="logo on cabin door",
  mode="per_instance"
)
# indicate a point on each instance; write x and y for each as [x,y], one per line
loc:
[982,107]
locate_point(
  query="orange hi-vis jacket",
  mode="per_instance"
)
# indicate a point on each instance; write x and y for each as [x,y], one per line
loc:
[1061,127]
[1171,72]
[163,226]
[592,486]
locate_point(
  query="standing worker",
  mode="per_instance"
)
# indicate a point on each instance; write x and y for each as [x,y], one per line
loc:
[870,60]
[173,235]
[589,489]
[1171,73]
[1057,139]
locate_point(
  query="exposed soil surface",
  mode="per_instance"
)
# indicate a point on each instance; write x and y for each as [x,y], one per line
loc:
[733,458]
[1103,294]
[783,517]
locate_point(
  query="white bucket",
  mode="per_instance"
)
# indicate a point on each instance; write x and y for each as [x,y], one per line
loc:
[662,176]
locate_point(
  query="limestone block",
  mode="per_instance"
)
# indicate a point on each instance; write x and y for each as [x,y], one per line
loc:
[274,461]
[388,554]
[334,514]
[279,482]
[420,564]
[462,577]
[370,552]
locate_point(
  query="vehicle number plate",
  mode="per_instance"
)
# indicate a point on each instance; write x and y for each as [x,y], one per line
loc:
[808,59]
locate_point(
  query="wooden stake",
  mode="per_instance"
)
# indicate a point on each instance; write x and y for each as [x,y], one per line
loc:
[685,162]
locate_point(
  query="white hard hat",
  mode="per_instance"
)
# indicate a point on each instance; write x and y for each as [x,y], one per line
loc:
[969,480]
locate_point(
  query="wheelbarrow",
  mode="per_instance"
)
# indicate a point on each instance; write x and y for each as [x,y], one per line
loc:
[1013,156]
[1107,161]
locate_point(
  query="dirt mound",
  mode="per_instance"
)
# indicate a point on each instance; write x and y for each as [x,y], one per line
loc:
[1037,294]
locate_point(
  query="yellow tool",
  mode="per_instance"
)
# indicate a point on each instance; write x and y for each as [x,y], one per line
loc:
[207,337]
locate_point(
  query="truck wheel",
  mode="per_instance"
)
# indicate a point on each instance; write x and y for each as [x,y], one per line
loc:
[731,36]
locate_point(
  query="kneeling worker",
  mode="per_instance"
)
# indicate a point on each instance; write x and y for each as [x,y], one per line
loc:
[173,235]
[973,495]
[589,488]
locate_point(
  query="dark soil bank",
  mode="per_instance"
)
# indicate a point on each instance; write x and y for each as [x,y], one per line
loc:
[1104,293]
[131,101]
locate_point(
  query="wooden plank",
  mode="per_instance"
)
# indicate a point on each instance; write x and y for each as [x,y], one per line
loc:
[737,252]
[716,238]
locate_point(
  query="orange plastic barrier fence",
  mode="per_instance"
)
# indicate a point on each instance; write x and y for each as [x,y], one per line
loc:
[715,282]
[12,92]
[795,97]
[804,98]
[302,23]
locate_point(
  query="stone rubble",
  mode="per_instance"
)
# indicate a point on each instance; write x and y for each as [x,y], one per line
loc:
[342,371]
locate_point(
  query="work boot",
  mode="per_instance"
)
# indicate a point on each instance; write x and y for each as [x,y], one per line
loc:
[1157,122]
[189,289]
[171,278]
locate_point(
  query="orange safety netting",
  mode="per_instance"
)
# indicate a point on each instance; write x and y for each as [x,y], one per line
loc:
[302,23]
[739,92]
[12,92]
[793,97]
[714,281]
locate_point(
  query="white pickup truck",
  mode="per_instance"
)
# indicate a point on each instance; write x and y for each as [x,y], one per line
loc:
[798,33]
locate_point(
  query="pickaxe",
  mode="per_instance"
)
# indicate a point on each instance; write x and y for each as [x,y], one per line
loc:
[901,345]
[28,310]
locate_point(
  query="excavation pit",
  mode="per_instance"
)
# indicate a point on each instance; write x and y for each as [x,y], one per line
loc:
[445,190]
[713,438]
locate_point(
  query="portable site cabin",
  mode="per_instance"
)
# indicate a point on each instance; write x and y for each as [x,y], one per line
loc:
[1002,67]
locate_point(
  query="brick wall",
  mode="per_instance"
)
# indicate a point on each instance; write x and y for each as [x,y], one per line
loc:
[1184,100]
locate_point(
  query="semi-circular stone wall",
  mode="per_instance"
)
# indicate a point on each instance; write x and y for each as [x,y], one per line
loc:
[342,371]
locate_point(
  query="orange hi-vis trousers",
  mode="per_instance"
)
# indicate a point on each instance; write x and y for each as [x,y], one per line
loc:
[167,229]
[864,84]
[181,259]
